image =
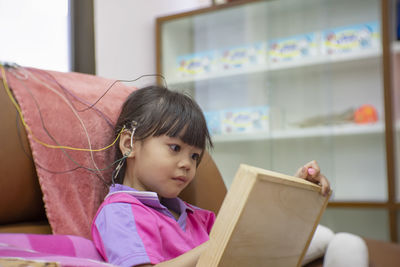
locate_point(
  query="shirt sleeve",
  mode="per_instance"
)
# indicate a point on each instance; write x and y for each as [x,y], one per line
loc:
[116,235]
[210,221]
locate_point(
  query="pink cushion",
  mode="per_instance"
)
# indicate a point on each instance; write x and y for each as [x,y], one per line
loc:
[62,245]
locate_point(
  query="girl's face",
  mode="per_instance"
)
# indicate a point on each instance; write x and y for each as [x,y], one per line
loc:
[162,164]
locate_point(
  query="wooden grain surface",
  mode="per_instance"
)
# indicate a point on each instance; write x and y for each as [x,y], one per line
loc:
[266,219]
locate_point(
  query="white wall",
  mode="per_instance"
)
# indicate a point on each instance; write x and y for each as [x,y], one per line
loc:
[125,34]
[28,38]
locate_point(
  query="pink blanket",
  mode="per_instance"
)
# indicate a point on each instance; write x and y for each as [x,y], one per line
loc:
[56,110]
[48,250]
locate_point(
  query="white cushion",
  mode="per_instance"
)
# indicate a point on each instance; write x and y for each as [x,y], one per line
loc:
[319,243]
[346,250]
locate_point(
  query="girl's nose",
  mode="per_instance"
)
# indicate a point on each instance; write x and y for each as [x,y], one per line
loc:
[185,162]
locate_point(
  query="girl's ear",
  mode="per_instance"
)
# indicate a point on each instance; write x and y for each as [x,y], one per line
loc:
[125,144]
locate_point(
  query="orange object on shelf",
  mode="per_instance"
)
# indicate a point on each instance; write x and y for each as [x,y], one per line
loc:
[365,114]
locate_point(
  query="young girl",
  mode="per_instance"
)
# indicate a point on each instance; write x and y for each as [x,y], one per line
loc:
[142,222]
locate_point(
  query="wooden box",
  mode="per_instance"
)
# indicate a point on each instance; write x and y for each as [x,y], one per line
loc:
[266,219]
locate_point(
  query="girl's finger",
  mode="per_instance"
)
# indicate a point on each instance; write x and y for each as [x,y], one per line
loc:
[301,173]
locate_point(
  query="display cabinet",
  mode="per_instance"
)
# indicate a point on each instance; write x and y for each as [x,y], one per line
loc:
[285,82]
[393,60]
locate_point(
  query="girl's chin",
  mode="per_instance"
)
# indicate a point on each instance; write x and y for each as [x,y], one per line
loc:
[169,195]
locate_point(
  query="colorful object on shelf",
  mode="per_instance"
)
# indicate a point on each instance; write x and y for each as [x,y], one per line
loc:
[331,42]
[245,120]
[240,120]
[242,56]
[196,64]
[351,38]
[334,118]
[293,48]
[213,119]
[365,114]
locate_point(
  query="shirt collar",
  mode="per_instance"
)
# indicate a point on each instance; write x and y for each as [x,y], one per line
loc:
[151,199]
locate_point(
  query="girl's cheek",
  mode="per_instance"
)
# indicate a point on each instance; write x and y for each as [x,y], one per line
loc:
[194,173]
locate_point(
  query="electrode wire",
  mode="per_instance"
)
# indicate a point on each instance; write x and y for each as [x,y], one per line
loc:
[117,81]
[67,91]
[52,138]
[8,91]
[22,75]
[76,115]
[60,172]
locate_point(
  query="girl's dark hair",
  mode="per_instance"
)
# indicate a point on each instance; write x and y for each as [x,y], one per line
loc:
[158,111]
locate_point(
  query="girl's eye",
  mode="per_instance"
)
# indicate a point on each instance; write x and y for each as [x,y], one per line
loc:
[175,148]
[195,156]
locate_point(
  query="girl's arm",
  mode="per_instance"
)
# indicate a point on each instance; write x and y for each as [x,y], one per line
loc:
[188,259]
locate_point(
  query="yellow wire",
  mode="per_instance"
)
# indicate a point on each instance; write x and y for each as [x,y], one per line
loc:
[8,91]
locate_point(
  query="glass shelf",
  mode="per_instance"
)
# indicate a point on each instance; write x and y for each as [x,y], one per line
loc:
[317,61]
[286,66]
[323,131]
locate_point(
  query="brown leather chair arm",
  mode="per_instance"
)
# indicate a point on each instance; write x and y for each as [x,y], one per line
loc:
[20,193]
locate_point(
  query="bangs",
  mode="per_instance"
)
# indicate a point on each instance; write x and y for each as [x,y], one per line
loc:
[191,129]
[183,118]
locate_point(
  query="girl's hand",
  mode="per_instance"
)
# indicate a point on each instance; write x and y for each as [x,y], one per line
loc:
[311,172]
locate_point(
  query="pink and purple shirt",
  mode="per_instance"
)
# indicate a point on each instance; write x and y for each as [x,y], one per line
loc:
[132,227]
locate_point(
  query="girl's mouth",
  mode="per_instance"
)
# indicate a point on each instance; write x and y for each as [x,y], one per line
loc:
[180,179]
